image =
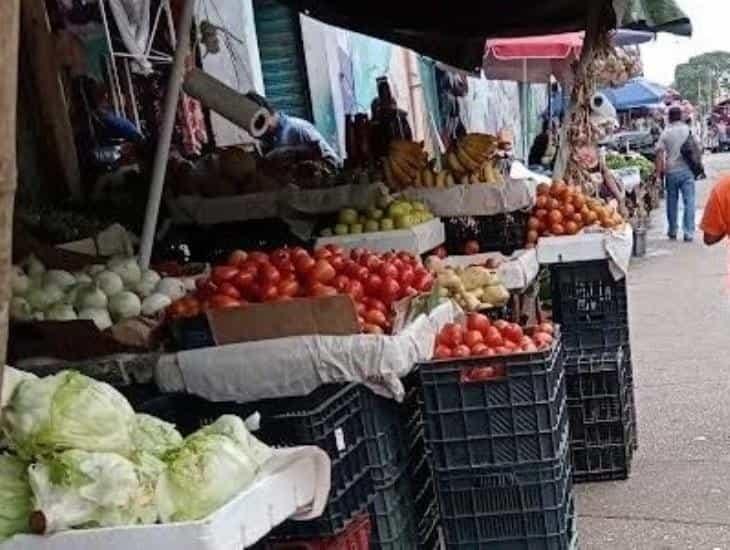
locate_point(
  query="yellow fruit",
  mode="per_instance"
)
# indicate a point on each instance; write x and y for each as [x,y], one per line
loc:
[441,178]
[401,177]
[428,178]
[465,160]
[454,164]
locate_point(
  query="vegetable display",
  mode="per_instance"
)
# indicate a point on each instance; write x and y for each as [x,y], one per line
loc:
[374,281]
[474,288]
[79,457]
[481,337]
[562,209]
[385,216]
[103,294]
[616,161]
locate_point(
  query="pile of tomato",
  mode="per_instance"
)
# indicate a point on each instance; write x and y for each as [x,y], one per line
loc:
[374,281]
[481,337]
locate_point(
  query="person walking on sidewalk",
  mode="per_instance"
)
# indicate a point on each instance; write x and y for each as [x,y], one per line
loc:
[679,176]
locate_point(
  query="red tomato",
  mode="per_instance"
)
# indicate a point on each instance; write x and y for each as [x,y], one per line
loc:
[376,317]
[318,290]
[510,345]
[423,282]
[355,289]
[529,347]
[462,351]
[243,280]
[501,350]
[477,321]
[362,274]
[280,256]
[361,309]
[288,288]
[322,253]
[223,273]
[547,328]
[410,291]
[406,257]
[388,270]
[229,290]
[471,247]
[479,349]
[452,335]
[374,284]
[473,337]
[406,275]
[493,338]
[268,292]
[372,262]
[369,328]
[322,272]
[336,249]
[500,324]
[390,290]
[374,303]
[340,283]
[237,257]
[442,352]
[513,332]
[304,264]
[221,301]
[356,253]
[206,288]
[338,262]
[399,264]
[298,251]
[542,339]
[258,257]
[269,274]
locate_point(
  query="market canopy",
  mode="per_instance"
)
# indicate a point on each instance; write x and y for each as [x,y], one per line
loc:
[455,34]
[536,58]
[637,92]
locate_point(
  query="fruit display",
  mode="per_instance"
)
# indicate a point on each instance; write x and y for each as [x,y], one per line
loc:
[386,215]
[562,209]
[471,160]
[474,288]
[478,336]
[374,281]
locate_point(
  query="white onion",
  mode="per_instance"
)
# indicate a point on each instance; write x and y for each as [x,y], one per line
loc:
[125,305]
[19,281]
[83,277]
[127,268]
[61,312]
[20,309]
[155,303]
[150,276]
[42,298]
[59,277]
[33,267]
[95,269]
[109,282]
[172,287]
[100,317]
[90,296]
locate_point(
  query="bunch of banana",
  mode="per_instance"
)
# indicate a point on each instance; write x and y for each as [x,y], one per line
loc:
[472,159]
[405,164]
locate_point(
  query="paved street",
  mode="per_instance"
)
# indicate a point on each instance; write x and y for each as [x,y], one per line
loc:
[678,496]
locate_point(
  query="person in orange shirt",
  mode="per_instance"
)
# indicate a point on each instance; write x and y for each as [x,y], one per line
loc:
[716,219]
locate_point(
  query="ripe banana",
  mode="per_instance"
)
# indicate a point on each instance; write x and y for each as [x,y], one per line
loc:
[401,177]
[404,166]
[441,178]
[428,178]
[471,164]
[450,179]
[454,163]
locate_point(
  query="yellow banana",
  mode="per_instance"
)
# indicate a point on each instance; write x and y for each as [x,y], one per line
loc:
[450,179]
[401,177]
[429,180]
[406,163]
[441,178]
[454,164]
[465,160]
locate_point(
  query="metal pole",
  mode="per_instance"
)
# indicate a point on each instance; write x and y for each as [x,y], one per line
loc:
[159,166]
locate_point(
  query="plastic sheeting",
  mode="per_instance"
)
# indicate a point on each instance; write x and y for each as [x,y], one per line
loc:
[297,366]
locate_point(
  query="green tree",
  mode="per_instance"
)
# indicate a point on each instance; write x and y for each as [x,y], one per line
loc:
[704,78]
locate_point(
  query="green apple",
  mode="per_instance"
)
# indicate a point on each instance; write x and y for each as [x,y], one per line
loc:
[399,208]
[342,229]
[418,206]
[404,221]
[326,232]
[418,217]
[386,224]
[347,216]
[428,216]
[371,226]
[375,214]
[355,228]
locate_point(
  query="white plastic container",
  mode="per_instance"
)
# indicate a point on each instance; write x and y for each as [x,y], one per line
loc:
[419,239]
[294,483]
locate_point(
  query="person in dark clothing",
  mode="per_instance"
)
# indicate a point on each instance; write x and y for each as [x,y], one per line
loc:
[540,146]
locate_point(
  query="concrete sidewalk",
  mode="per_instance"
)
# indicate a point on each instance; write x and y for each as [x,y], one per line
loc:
[678,495]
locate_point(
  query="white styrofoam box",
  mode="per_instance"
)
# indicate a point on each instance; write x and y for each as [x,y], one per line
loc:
[418,239]
[517,272]
[571,248]
[294,483]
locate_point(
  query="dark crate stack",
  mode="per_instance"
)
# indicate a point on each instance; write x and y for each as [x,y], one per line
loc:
[404,512]
[592,310]
[503,233]
[496,431]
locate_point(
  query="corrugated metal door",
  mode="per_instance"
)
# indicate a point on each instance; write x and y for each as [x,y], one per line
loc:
[282,58]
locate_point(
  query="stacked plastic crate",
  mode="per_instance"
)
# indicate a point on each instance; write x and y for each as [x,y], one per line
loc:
[592,309]
[403,512]
[496,431]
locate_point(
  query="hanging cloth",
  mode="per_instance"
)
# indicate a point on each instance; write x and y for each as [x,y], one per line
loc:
[133,21]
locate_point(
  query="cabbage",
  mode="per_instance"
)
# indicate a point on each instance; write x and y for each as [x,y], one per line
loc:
[86,489]
[20,309]
[109,282]
[99,316]
[203,475]
[60,278]
[11,378]
[154,436]
[234,428]
[67,411]
[125,305]
[128,269]
[61,312]
[15,496]
[90,296]
[19,281]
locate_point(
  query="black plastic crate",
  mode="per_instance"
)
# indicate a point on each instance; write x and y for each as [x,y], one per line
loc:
[596,336]
[503,233]
[547,529]
[387,448]
[602,463]
[586,292]
[392,516]
[516,418]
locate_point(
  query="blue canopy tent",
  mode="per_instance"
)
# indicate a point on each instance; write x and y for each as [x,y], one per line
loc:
[637,92]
